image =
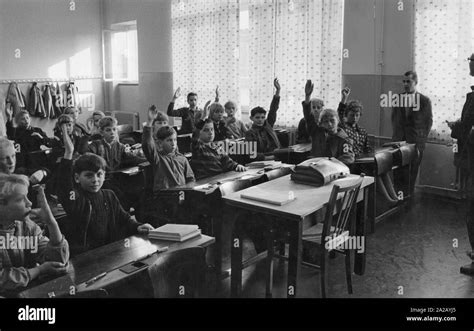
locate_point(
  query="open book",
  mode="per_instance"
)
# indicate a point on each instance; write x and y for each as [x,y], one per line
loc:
[175,232]
[319,171]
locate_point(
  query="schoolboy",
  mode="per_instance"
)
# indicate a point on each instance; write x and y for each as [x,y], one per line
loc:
[327,138]
[19,263]
[236,127]
[303,136]
[209,158]
[349,116]
[95,216]
[189,115]
[262,127]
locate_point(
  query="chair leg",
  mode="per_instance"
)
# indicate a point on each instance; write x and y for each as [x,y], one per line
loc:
[269,264]
[323,273]
[348,271]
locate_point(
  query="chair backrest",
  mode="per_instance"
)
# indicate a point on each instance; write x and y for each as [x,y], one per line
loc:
[338,220]
[178,274]
[383,162]
[407,154]
[277,173]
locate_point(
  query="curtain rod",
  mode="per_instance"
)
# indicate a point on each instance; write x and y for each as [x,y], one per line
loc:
[46,80]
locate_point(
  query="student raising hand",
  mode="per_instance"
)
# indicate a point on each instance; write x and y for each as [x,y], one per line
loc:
[217,93]
[68,144]
[276,83]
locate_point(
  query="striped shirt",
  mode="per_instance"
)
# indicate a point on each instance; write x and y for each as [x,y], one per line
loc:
[210,159]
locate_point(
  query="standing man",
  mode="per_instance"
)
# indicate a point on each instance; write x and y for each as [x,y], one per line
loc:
[464,129]
[412,120]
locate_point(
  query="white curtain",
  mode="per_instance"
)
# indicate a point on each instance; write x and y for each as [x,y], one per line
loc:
[205,39]
[295,41]
[444,39]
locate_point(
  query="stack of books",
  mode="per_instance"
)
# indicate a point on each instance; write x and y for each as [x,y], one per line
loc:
[175,232]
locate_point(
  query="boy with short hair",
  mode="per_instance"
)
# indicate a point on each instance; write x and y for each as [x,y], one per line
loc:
[209,158]
[95,215]
[116,154]
[262,128]
[303,136]
[170,168]
[79,129]
[235,126]
[18,265]
[328,140]
[189,115]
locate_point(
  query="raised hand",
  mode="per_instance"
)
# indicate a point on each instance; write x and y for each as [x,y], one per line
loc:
[37,177]
[217,93]
[345,94]
[43,212]
[205,113]
[276,83]
[68,145]
[177,93]
[309,87]
[152,114]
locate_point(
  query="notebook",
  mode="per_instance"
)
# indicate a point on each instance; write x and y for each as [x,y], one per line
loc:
[275,198]
[175,232]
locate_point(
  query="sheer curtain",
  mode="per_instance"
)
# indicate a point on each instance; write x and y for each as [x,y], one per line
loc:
[295,41]
[444,32]
[205,41]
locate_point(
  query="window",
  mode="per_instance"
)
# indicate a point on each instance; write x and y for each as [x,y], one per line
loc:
[120,50]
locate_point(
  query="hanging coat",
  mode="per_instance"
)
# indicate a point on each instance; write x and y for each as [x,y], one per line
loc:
[58,104]
[71,95]
[48,102]
[16,98]
[35,102]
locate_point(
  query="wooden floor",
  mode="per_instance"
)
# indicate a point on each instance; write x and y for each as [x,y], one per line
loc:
[413,249]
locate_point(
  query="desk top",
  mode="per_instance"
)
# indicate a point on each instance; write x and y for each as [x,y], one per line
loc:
[109,258]
[308,199]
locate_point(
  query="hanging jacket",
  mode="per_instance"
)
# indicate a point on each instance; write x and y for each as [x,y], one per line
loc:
[71,96]
[35,102]
[16,98]
[48,102]
[58,105]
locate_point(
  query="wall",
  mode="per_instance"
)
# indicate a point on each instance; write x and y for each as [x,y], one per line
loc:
[54,42]
[154,55]
[379,38]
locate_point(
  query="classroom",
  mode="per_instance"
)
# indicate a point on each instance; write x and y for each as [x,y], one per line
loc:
[236,149]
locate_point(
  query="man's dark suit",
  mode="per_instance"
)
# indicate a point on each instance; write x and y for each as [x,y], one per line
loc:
[413,124]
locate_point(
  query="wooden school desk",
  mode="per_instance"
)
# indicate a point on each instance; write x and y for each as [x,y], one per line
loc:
[109,258]
[200,199]
[308,200]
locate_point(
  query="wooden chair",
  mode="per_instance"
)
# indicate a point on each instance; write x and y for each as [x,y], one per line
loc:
[331,235]
[178,274]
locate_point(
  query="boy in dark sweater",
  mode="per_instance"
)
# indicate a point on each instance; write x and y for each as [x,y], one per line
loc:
[262,128]
[189,115]
[95,215]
